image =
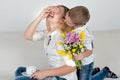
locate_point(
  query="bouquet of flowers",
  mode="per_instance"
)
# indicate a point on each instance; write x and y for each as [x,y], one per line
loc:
[73,45]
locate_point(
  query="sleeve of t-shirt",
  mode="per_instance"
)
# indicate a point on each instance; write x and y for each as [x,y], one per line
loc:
[69,62]
[89,40]
[39,35]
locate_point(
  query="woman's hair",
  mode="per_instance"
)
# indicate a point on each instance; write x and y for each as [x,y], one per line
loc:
[66,9]
[64,28]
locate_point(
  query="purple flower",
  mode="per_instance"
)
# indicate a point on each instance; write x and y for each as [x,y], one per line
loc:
[72,37]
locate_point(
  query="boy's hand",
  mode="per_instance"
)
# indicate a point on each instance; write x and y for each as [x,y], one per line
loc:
[78,57]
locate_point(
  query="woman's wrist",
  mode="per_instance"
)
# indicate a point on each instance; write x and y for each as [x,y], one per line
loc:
[47,73]
[39,18]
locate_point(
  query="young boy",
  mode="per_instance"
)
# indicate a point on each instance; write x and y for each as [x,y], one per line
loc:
[77,17]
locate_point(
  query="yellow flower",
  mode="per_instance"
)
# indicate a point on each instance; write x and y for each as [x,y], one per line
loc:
[82,38]
[63,35]
[73,31]
[69,56]
[69,52]
[82,33]
[80,46]
[62,53]
[73,50]
[59,43]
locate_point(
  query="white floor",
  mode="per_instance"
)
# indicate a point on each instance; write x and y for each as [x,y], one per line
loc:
[106,50]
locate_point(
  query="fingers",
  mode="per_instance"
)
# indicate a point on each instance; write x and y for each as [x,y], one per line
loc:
[45,13]
[49,8]
[32,76]
[76,57]
[35,75]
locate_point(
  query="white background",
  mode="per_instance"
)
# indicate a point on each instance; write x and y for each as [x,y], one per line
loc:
[16,15]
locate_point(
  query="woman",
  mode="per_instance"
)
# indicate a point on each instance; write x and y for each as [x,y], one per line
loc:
[60,67]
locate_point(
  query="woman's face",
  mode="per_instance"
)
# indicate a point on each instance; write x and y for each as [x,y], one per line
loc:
[56,14]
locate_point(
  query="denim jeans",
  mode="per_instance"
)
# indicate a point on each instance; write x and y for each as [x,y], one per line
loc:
[86,73]
[100,75]
[20,76]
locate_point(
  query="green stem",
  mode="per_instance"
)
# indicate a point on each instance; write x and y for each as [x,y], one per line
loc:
[78,64]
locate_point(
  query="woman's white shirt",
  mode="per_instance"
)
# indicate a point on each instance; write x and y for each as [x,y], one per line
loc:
[51,50]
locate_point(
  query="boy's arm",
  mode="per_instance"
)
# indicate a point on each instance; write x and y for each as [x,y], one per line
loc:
[88,43]
[82,55]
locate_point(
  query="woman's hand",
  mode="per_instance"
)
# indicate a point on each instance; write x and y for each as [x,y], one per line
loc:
[46,12]
[40,75]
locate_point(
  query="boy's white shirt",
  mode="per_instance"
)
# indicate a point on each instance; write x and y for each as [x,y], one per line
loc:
[89,38]
[55,60]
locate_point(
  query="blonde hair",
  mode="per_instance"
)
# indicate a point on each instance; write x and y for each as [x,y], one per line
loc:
[64,28]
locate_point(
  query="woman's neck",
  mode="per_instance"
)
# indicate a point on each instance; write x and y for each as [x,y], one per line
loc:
[53,27]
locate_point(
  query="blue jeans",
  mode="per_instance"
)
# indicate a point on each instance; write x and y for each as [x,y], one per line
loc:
[86,73]
[20,76]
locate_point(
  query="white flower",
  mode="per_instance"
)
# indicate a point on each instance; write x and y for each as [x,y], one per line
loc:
[74,45]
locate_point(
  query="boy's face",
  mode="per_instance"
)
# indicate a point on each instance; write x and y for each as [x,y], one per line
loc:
[68,21]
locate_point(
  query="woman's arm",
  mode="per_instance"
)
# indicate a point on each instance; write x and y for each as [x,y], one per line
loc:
[60,71]
[28,34]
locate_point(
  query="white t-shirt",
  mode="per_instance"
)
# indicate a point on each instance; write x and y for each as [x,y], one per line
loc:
[89,38]
[54,59]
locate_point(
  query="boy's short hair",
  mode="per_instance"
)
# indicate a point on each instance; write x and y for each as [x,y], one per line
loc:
[79,15]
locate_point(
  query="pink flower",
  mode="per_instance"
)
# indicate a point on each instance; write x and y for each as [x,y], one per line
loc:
[72,37]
